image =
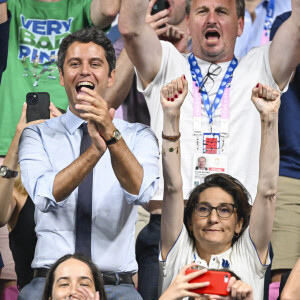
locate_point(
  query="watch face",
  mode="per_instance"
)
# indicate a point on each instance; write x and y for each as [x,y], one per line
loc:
[117,134]
[3,171]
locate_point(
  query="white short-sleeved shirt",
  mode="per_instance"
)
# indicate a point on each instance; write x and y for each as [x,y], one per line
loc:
[243,143]
[241,258]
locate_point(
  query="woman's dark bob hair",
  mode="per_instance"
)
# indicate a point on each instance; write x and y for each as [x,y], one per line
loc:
[97,277]
[230,185]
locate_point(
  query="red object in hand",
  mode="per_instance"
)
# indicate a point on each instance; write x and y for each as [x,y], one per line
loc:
[218,282]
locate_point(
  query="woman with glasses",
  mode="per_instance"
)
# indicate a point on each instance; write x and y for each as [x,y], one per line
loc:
[215,229]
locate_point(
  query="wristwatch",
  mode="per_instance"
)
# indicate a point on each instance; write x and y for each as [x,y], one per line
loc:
[5,172]
[116,137]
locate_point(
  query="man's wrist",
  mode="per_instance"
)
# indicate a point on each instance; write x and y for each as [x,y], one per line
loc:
[95,153]
[114,138]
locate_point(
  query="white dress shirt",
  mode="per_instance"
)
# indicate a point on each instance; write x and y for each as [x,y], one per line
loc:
[48,148]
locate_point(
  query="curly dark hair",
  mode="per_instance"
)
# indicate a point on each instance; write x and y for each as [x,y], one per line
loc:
[87,35]
[230,185]
[97,277]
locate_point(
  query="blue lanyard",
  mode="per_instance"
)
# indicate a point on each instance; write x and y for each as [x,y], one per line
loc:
[197,77]
[270,15]
[271,6]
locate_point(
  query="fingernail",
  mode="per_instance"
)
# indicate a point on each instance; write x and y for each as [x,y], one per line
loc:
[184,76]
[257,85]
[176,96]
[180,92]
[172,99]
[168,99]
[260,96]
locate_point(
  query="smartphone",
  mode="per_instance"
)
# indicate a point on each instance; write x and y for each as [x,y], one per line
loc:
[218,282]
[37,106]
[159,5]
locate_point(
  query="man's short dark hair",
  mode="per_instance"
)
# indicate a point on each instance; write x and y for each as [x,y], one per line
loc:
[240,7]
[87,35]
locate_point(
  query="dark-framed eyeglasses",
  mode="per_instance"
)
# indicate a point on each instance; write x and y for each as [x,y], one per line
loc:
[213,70]
[224,210]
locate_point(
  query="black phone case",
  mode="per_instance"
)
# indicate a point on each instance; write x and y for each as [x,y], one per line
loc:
[159,5]
[40,109]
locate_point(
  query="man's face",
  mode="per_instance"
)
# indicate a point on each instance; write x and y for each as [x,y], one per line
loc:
[214,27]
[85,65]
[201,163]
[176,12]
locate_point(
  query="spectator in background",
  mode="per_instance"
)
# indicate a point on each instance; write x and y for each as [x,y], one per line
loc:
[36,30]
[7,280]
[290,284]
[17,208]
[169,24]
[285,237]
[4,34]
[259,17]
[209,68]
[8,277]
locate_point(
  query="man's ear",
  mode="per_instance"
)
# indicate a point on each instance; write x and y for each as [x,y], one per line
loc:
[188,27]
[61,78]
[240,26]
[111,78]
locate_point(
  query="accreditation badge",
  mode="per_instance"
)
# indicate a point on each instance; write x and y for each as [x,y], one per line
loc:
[206,164]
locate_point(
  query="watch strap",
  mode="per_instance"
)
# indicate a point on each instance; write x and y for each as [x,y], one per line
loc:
[116,137]
[9,173]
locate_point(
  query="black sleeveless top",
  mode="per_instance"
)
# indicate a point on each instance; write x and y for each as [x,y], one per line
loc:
[22,241]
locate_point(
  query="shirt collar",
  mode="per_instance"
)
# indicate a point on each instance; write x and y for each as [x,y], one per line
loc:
[71,121]
[219,261]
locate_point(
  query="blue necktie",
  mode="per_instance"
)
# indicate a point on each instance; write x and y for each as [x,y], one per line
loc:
[84,203]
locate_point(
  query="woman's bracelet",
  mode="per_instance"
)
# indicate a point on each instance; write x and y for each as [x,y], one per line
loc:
[171,138]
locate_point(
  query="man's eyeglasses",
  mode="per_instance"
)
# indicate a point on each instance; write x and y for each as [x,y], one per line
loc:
[224,210]
[213,70]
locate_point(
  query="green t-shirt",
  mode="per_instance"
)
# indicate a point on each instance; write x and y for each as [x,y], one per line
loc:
[36,31]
